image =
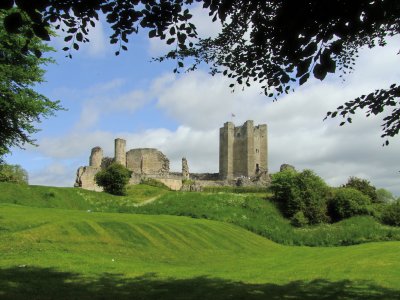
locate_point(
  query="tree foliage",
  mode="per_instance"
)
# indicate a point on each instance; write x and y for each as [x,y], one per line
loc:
[391,214]
[348,202]
[364,186]
[303,192]
[113,179]
[20,70]
[385,196]
[280,44]
[13,174]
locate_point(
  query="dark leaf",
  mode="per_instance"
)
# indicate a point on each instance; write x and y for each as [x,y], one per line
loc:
[170,41]
[320,72]
[79,37]
[41,32]
[152,33]
[38,53]
[13,22]
[304,78]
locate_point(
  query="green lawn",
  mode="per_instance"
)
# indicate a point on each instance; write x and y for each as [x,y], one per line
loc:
[49,253]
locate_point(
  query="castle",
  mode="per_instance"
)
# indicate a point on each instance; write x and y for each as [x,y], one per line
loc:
[243,160]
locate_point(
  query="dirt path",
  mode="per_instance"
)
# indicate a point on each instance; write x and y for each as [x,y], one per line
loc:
[147,201]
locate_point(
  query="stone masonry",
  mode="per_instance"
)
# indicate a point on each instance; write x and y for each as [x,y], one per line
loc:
[242,150]
[242,155]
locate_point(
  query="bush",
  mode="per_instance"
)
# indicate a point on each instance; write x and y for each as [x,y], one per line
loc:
[13,174]
[113,179]
[348,202]
[301,192]
[391,214]
[299,220]
[364,186]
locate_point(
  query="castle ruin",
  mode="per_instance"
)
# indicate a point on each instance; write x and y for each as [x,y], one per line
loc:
[243,160]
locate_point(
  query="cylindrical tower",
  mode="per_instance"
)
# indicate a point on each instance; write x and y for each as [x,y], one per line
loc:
[120,152]
[96,157]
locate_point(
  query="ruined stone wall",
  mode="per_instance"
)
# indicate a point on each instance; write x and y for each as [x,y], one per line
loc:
[147,161]
[205,176]
[85,178]
[96,156]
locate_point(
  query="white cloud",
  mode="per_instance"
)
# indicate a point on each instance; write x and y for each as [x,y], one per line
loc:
[54,174]
[200,104]
[108,100]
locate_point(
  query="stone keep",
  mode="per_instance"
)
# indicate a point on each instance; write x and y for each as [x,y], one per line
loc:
[242,150]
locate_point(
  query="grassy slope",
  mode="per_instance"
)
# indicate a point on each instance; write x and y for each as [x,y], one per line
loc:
[262,217]
[92,244]
[248,211]
[73,198]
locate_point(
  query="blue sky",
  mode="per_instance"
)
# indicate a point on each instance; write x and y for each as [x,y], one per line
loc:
[127,96]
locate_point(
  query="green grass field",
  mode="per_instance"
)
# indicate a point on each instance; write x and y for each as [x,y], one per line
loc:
[66,250]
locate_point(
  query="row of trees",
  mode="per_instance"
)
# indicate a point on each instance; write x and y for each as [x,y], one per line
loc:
[306,199]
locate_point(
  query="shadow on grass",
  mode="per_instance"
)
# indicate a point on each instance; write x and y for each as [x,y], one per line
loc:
[37,283]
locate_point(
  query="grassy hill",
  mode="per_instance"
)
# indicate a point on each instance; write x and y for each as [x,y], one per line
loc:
[250,211]
[63,254]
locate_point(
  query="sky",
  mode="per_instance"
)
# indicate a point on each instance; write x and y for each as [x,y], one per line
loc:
[129,96]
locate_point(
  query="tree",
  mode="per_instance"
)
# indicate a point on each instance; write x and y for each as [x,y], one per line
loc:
[301,196]
[385,196]
[20,105]
[364,186]
[13,174]
[279,43]
[113,179]
[347,202]
[391,214]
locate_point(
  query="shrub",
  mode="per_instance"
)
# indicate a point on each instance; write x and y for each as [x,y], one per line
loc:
[299,220]
[301,192]
[13,174]
[364,186]
[114,179]
[348,202]
[391,214]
